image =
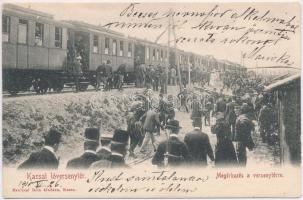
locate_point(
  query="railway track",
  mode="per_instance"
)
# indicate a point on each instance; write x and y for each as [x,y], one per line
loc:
[138,161]
[65,90]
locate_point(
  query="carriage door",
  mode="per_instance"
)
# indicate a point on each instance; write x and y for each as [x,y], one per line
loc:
[71,46]
[139,55]
[82,48]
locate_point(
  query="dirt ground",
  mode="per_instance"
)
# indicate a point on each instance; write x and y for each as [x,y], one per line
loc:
[27,119]
[261,155]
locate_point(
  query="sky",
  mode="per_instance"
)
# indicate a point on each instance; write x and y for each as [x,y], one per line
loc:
[104,13]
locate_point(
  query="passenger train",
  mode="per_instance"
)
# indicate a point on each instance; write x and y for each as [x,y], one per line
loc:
[37,49]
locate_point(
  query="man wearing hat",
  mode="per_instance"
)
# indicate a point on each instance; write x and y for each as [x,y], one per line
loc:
[109,76]
[134,126]
[198,145]
[104,153]
[151,122]
[182,96]
[244,127]
[197,109]
[230,115]
[169,109]
[100,76]
[172,152]
[46,158]
[119,148]
[77,71]
[89,156]
[207,109]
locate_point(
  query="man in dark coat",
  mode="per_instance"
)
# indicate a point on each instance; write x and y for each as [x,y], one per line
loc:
[109,76]
[77,72]
[46,158]
[172,152]
[100,75]
[230,117]
[118,150]
[197,109]
[244,127]
[267,121]
[220,105]
[198,145]
[151,122]
[156,77]
[104,152]
[169,109]
[121,72]
[225,151]
[89,156]
[207,109]
[134,126]
[182,96]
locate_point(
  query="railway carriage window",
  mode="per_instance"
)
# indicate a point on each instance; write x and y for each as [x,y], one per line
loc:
[114,47]
[58,37]
[154,54]
[22,31]
[106,49]
[130,50]
[96,44]
[121,48]
[147,53]
[39,34]
[5,28]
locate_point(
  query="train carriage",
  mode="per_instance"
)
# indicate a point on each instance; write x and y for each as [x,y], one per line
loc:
[34,48]
[103,45]
[150,53]
[39,52]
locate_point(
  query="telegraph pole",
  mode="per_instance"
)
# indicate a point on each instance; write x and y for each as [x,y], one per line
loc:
[176,55]
[189,67]
[168,53]
[171,25]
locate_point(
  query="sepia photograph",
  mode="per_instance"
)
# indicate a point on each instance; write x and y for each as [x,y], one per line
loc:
[151,99]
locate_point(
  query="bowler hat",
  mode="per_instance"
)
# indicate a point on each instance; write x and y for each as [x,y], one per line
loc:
[120,136]
[53,137]
[173,124]
[92,134]
[118,148]
[244,108]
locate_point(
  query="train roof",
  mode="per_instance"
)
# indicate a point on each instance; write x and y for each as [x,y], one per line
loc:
[277,85]
[146,42]
[29,11]
[94,28]
[29,14]
[46,17]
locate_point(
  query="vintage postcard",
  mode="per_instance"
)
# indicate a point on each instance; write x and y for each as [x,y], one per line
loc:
[151,99]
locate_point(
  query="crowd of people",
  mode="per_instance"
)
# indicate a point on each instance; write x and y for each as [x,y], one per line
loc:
[240,82]
[235,118]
